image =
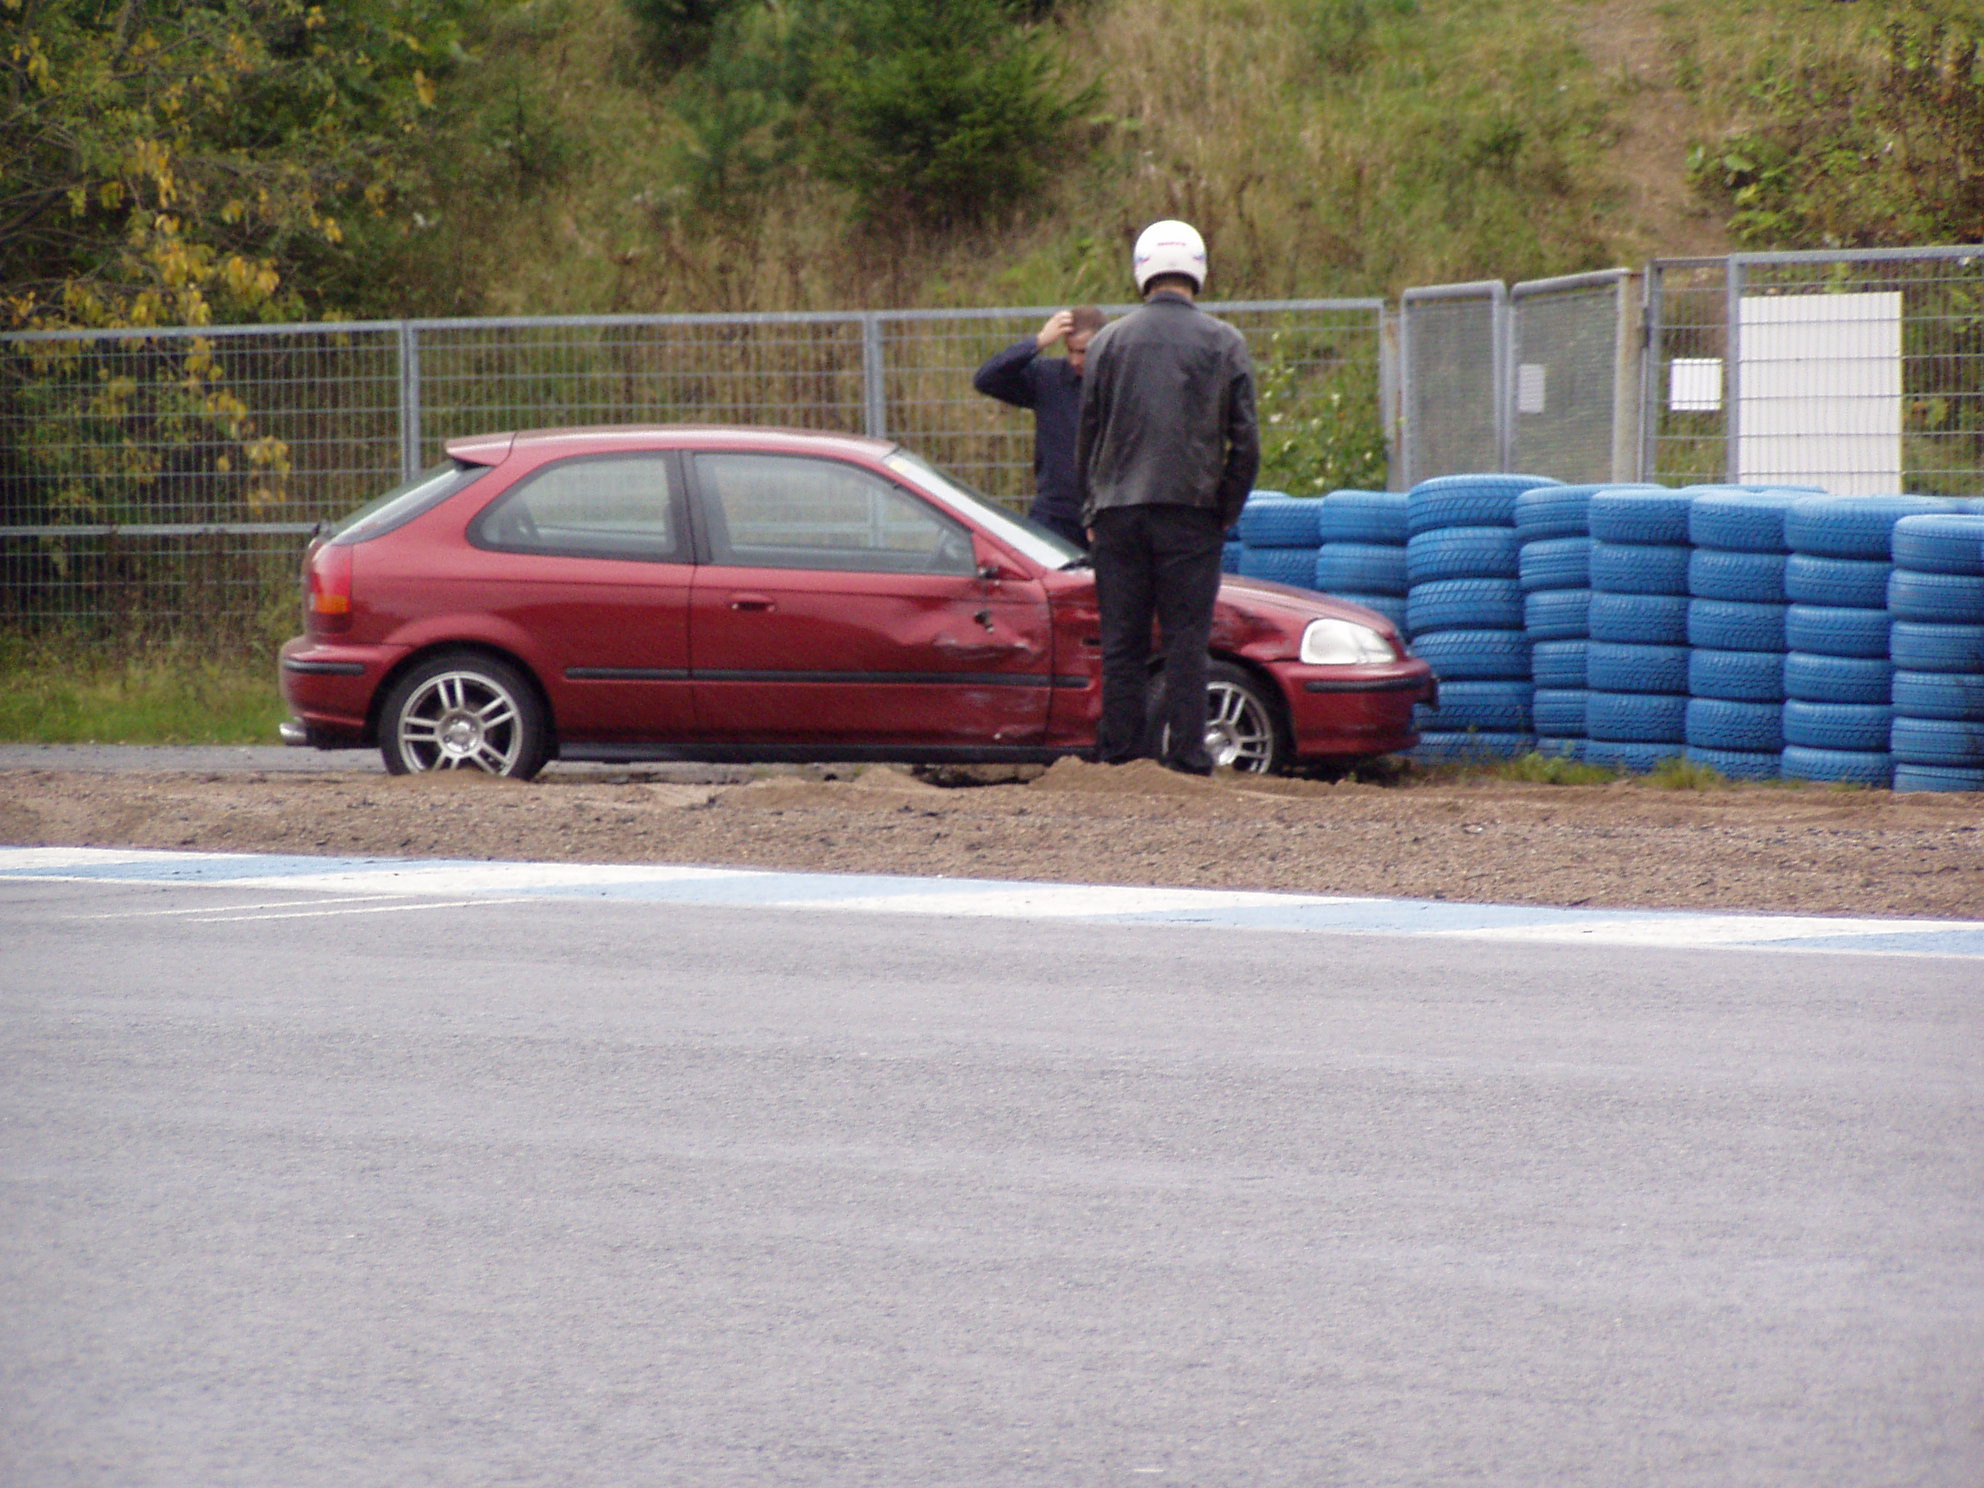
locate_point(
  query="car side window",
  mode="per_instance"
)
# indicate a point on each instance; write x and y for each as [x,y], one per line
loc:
[604,506]
[787,511]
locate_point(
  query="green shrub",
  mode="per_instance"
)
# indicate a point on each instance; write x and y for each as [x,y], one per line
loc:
[945,111]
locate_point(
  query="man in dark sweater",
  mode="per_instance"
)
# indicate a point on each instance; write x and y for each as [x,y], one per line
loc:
[1167,449]
[1052,388]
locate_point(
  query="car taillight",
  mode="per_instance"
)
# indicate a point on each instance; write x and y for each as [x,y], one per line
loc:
[327,588]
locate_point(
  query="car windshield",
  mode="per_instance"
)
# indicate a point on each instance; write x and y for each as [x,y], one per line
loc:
[404,502]
[1048,549]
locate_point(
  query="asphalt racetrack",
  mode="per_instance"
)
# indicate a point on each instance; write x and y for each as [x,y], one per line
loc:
[359,1172]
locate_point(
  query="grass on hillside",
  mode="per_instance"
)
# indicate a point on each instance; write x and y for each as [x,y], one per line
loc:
[1326,147]
[65,694]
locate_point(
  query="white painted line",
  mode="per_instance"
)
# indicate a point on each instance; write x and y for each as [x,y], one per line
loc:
[315,914]
[209,909]
[364,884]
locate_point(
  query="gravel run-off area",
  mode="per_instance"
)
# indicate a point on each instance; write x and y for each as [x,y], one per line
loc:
[1806,850]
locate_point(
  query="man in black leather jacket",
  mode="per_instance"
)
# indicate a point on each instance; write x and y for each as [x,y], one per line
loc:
[1052,388]
[1167,451]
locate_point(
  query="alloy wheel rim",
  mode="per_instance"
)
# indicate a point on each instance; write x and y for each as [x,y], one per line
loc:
[460,721]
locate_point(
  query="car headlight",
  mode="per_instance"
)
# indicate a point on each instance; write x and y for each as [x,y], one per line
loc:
[1344,643]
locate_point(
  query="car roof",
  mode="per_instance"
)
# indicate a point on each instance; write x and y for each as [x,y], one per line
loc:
[493,449]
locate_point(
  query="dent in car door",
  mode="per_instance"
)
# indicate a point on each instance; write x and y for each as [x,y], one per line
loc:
[839,607]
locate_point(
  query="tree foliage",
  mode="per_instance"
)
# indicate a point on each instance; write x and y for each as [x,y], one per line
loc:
[165,163]
[942,112]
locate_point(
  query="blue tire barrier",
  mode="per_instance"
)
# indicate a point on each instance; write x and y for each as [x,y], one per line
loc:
[1642,619]
[1741,521]
[1639,568]
[1837,766]
[1559,711]
[1852,526]
[1470,747]
[1464,604]
[1837,679]
[1636,717]
[1611,666]
[1475,655]
[1733,625]
[1481,707]
[1630,756]
[1557,614]
[1738,764]
[1825,630]
[1753,578]
[1391,606]
[1274,519]
[1363,517]
[1722,723]
[1555,511]
[1462,553]
[1953,695]
[1947,542]
[1939,741]
[1919,647]
[1467,501]
[1739,676]
[1936,778]
[1641,515]
[1361,568]
[1295,566]
[1557,664]
[1555,563]
[1565,748]
[1848,583]
[1956,599]
[1862,726]
[1229,557]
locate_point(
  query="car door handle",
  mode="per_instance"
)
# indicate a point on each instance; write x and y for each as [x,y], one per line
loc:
[979,650]
[751,602]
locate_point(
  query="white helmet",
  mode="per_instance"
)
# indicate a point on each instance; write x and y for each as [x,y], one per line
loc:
[1169,248]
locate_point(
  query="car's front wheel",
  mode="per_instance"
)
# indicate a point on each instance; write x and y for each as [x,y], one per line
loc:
[464,712]
[1243,721]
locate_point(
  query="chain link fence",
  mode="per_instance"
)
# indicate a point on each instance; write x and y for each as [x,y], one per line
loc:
[166,481]
[1860,371]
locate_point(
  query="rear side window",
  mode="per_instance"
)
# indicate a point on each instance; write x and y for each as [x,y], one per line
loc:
[403,503]
[607,506]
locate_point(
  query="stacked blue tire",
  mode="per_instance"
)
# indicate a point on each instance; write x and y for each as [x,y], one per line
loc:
[1362,555]
[1838,678]
[1936,642]
[1278,537]
[1636,662]
[1736,609]
[1554,523]
[1464,615]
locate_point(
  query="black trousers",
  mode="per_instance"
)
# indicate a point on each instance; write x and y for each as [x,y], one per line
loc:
[1156,562]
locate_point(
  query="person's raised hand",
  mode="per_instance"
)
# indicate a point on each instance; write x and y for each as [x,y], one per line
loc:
[1056,329]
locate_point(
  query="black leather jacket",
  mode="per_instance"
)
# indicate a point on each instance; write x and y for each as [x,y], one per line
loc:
[1168,413]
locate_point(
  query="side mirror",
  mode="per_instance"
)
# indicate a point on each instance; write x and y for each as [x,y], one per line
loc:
[991,572]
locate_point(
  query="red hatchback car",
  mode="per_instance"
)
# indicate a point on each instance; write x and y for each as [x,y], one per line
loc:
[697,593]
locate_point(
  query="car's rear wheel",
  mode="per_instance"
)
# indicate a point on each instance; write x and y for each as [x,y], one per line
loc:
[464,712]
[1243,722]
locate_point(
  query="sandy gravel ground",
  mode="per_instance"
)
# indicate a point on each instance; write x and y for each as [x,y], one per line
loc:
[1811,850]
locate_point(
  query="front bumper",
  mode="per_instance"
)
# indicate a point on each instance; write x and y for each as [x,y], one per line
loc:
[1338,711]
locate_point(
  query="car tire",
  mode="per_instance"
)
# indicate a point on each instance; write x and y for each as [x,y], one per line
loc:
[463,711]
[1244,731]
[1733,625]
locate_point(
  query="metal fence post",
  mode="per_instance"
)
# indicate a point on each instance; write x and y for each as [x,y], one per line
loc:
[409,400]
[1626,380]
[1390,405]
[1732,376]
[874,377]
[1653,304]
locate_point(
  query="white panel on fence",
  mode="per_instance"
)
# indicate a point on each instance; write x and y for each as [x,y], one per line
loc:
[1819,391]
[1694,385]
